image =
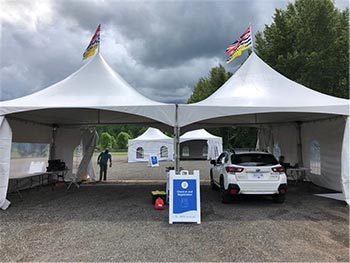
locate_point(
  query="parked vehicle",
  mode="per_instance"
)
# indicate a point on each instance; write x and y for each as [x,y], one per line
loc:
[257,173]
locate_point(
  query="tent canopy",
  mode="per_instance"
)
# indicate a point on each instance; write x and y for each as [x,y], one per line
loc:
[255,94]
[200,144]
[152,134]
[200,134]
[95,94]
[151,142]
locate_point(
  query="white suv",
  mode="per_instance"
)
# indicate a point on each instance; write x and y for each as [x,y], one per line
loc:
[248,173]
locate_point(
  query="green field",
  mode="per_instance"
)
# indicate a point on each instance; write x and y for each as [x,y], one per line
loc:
[113,154]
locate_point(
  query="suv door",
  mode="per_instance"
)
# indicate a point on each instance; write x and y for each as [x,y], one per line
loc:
[218,167]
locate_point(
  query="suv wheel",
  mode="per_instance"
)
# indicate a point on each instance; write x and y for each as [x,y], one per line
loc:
[225,197]
[279,198]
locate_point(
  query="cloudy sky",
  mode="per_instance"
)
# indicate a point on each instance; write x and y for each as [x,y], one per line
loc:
[161,48]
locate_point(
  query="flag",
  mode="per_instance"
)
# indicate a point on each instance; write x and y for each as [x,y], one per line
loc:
[242,43]
[93,45]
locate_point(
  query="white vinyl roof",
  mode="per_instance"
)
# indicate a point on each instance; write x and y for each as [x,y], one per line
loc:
[152,134]
[200,134]
[256,93]
[93,94]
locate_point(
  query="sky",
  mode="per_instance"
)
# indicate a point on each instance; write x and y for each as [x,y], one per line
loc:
[161,48]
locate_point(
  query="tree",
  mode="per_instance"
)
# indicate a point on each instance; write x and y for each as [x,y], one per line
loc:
[207,86]
[105,141]
[122,140]
[309,43]
[114,129]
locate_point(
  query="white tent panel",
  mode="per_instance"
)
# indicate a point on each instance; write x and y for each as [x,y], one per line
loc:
[29,132]
[282,137]
[85,169]
[5,156]
[67,139]
[329,135]
[151,142]
[345,158]
[193,140]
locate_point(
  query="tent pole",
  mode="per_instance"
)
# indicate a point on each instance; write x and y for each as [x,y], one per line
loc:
[177,142]
[299,145]
[53,143]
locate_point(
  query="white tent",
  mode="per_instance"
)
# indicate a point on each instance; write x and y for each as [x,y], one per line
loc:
[290,117]
[151,142]
[95,94]
[199,145]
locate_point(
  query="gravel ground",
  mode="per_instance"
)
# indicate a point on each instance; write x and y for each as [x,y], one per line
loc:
[116,221]
[122,170]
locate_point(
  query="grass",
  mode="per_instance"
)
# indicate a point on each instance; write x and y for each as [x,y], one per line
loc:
[113,153]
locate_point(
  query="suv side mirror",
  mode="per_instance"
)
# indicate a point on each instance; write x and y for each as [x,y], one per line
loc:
[213,162]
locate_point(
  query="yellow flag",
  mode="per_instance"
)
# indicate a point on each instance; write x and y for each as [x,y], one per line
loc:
[238,52]
[90,52]
[94,43]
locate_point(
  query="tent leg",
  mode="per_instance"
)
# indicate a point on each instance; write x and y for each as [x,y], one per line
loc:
[177,149]
[299,145]
[177,142]
[53,144]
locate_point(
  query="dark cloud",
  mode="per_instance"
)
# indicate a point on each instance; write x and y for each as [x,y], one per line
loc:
[161,48]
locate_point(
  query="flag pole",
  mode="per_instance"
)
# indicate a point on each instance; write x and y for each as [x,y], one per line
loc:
[252,36]
[99,44]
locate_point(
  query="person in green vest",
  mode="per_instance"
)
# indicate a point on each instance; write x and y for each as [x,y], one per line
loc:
[102,160]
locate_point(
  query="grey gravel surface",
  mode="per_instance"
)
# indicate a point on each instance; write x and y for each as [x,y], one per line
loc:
[122,170]
[117,222]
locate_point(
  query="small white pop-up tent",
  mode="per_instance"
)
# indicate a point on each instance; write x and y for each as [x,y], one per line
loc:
[151,143]
[200,145]
[95,94]
[306,126]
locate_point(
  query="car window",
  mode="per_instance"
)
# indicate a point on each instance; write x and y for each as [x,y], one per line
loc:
[253,159]
[227,157]
[221,158]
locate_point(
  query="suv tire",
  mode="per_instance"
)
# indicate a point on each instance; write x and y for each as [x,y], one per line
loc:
[225,197]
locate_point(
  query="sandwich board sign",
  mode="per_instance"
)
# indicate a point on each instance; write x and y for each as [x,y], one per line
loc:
[154,161]
[184,197]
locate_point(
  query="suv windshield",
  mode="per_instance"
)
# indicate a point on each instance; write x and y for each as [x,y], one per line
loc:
[253,159]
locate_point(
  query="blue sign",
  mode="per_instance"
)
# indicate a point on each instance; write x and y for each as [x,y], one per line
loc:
[154,160]
[184,196]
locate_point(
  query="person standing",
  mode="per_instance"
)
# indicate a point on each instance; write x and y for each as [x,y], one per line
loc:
[102,160]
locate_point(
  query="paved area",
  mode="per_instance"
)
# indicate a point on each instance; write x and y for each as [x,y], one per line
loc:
[117,222]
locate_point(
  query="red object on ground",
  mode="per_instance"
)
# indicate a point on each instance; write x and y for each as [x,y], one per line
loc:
[59,184]
[159,204]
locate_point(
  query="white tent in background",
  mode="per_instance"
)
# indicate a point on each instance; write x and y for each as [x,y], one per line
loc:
[95,94]
[200,145]
[307,127]
[152,142]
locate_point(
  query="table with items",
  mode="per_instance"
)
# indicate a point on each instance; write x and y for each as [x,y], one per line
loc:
[298,174]
[36,180]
